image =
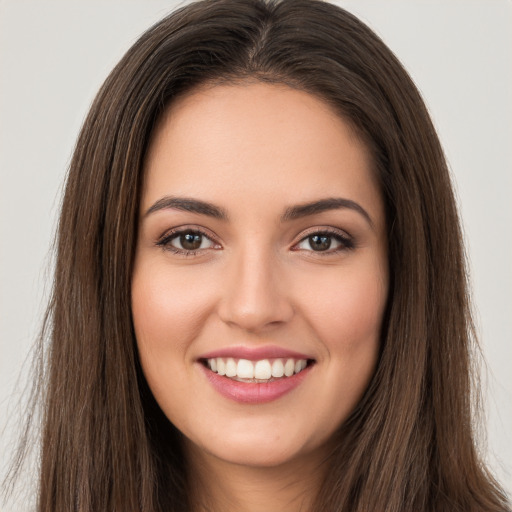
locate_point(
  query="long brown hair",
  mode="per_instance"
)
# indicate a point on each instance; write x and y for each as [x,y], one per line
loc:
[409,444]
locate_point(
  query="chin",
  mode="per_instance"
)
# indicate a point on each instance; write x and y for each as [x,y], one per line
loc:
[256,457]
[259,447]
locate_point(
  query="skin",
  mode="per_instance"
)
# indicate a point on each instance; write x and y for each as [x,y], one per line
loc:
[255,150]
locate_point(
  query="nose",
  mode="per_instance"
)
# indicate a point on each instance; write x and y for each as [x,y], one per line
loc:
[254,297]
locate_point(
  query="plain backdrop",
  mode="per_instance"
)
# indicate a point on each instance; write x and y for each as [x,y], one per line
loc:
[54,55]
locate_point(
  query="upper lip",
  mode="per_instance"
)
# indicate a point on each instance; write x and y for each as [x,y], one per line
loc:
[255,353]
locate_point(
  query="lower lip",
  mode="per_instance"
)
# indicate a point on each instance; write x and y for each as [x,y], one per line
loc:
[252,392]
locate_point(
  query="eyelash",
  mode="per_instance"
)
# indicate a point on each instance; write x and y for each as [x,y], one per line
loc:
[165,241]
[346,242]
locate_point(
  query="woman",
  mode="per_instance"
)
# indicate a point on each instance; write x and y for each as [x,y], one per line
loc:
[259,183]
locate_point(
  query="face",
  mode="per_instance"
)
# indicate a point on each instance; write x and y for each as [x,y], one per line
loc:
[260,275]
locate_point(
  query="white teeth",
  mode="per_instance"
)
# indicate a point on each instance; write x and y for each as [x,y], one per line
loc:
[277,368]
[245,369]
[263,369]
[221,366]
[289,367]
[230,368]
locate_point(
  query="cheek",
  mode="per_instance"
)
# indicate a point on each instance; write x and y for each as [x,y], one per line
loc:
[347,319]
[162,323]
[168,309]
[348,308]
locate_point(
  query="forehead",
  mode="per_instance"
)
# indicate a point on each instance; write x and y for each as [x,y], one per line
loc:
[260,142]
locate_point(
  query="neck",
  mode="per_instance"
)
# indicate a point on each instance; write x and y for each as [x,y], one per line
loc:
[218,485]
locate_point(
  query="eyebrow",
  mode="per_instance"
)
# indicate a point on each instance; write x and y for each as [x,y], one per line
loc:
[323,205]
[188,205]
[291,213]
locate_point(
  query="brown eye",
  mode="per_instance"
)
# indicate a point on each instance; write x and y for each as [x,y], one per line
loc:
[190,241]
[320,242]
[325,241]
[187,242]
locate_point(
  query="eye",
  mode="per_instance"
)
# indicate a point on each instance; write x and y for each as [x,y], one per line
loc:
[187,242]
[325,241]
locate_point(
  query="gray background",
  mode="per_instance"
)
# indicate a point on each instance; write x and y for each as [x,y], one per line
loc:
[55,54]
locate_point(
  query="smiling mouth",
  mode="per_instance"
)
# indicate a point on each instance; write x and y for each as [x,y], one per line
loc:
[260,371]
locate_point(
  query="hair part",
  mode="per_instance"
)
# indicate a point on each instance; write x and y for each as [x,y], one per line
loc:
[409,444]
